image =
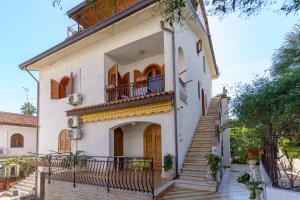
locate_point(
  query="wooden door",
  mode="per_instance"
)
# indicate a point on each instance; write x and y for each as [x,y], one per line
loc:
[118,142]
[152,145]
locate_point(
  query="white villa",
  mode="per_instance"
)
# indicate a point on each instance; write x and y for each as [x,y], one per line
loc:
[17,134]
[124,85]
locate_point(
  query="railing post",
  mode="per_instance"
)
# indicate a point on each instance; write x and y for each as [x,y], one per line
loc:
[108,174]
[152,172]
[49,168]
[74,171]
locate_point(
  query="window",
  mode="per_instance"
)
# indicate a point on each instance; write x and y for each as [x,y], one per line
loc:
[64,145]
[199,90]
[63,88]
[204,64]
[182,67]
[155,77]
[17,141]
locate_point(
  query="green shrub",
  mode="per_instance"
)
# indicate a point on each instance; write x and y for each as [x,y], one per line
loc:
[214,164]
[244,178]
[168,162]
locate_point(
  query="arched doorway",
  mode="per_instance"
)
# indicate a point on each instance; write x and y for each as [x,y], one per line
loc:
[64,144]
[203,102]
[152,145]
[154,74]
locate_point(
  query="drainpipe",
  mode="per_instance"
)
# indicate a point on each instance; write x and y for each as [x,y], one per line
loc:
[175,94]
[37,127]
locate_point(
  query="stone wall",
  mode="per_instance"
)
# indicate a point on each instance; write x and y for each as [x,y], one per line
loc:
[58,190]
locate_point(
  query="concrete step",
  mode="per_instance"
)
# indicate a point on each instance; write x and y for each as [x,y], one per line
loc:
[193,177]
[26,189]
[200,144]
[189,165]
[195,161]
[31,182]
[25,184]
[194,171]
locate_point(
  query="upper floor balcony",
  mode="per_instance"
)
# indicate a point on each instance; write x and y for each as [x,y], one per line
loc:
[136,69]
[89,14]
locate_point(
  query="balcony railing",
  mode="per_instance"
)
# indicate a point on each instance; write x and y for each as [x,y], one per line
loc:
[126,173]
[144,87]
[74,29]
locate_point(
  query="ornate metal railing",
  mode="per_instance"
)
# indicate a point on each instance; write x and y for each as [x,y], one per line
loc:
[135,89]
[126,173]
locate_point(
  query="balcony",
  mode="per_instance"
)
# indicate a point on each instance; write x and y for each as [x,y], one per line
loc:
[89,14]
[142,87]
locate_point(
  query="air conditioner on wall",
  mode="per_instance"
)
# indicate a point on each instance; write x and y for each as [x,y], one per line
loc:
[74,99]
[74,122]
[74,134]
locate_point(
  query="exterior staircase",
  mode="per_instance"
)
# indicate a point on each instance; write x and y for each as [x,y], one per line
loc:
[26,186]
[193,182]
[195,164]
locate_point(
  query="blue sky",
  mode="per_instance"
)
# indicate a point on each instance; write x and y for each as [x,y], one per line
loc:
[243,47]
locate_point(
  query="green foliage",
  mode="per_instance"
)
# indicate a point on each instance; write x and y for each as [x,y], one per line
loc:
[242,138]
[249,8]
[28,109]
[24,164]
[168,162]
[141,163]
[214,164]
[77,159]
[244,178]
[253,186]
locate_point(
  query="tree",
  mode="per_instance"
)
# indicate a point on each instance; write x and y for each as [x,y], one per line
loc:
[28,109]
[173,10]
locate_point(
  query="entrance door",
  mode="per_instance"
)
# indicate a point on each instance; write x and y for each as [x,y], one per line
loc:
[118,142]
[152,145]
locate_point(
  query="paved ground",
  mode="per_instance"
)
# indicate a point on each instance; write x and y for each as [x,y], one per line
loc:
[230,189]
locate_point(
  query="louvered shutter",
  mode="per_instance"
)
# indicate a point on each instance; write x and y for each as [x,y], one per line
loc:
[54,89]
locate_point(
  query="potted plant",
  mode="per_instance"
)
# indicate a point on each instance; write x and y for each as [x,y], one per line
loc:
[214,165]
[252,145]
[168,166]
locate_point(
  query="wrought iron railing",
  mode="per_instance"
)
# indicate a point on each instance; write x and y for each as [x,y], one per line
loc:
[139,88]
[126,173]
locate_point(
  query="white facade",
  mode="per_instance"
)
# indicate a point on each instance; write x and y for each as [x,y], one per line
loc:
[29,135]
[89,60]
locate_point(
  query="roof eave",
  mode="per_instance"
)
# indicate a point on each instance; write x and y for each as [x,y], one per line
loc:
[69,41]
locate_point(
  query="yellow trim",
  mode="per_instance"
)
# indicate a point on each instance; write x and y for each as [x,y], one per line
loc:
[128,112]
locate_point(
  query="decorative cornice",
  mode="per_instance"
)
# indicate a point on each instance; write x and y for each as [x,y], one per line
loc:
[128,112]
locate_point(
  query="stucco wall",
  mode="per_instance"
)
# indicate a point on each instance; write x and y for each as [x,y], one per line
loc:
[88,67]
[28,133]
[57,190]
[189,113]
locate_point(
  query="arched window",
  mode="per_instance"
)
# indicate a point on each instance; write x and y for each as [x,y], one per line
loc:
[64,145]
[182,66]
[64,87]
[17,141]
[155,78]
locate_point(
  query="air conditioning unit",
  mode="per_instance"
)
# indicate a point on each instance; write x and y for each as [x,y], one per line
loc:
[74,122]
[74,99]
[74,134]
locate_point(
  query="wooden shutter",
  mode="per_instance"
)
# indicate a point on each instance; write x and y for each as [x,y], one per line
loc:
[71,84]
[54,89]
[137,74]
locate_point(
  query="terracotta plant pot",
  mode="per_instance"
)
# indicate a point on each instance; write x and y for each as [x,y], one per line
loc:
[252,153]
[2,185]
